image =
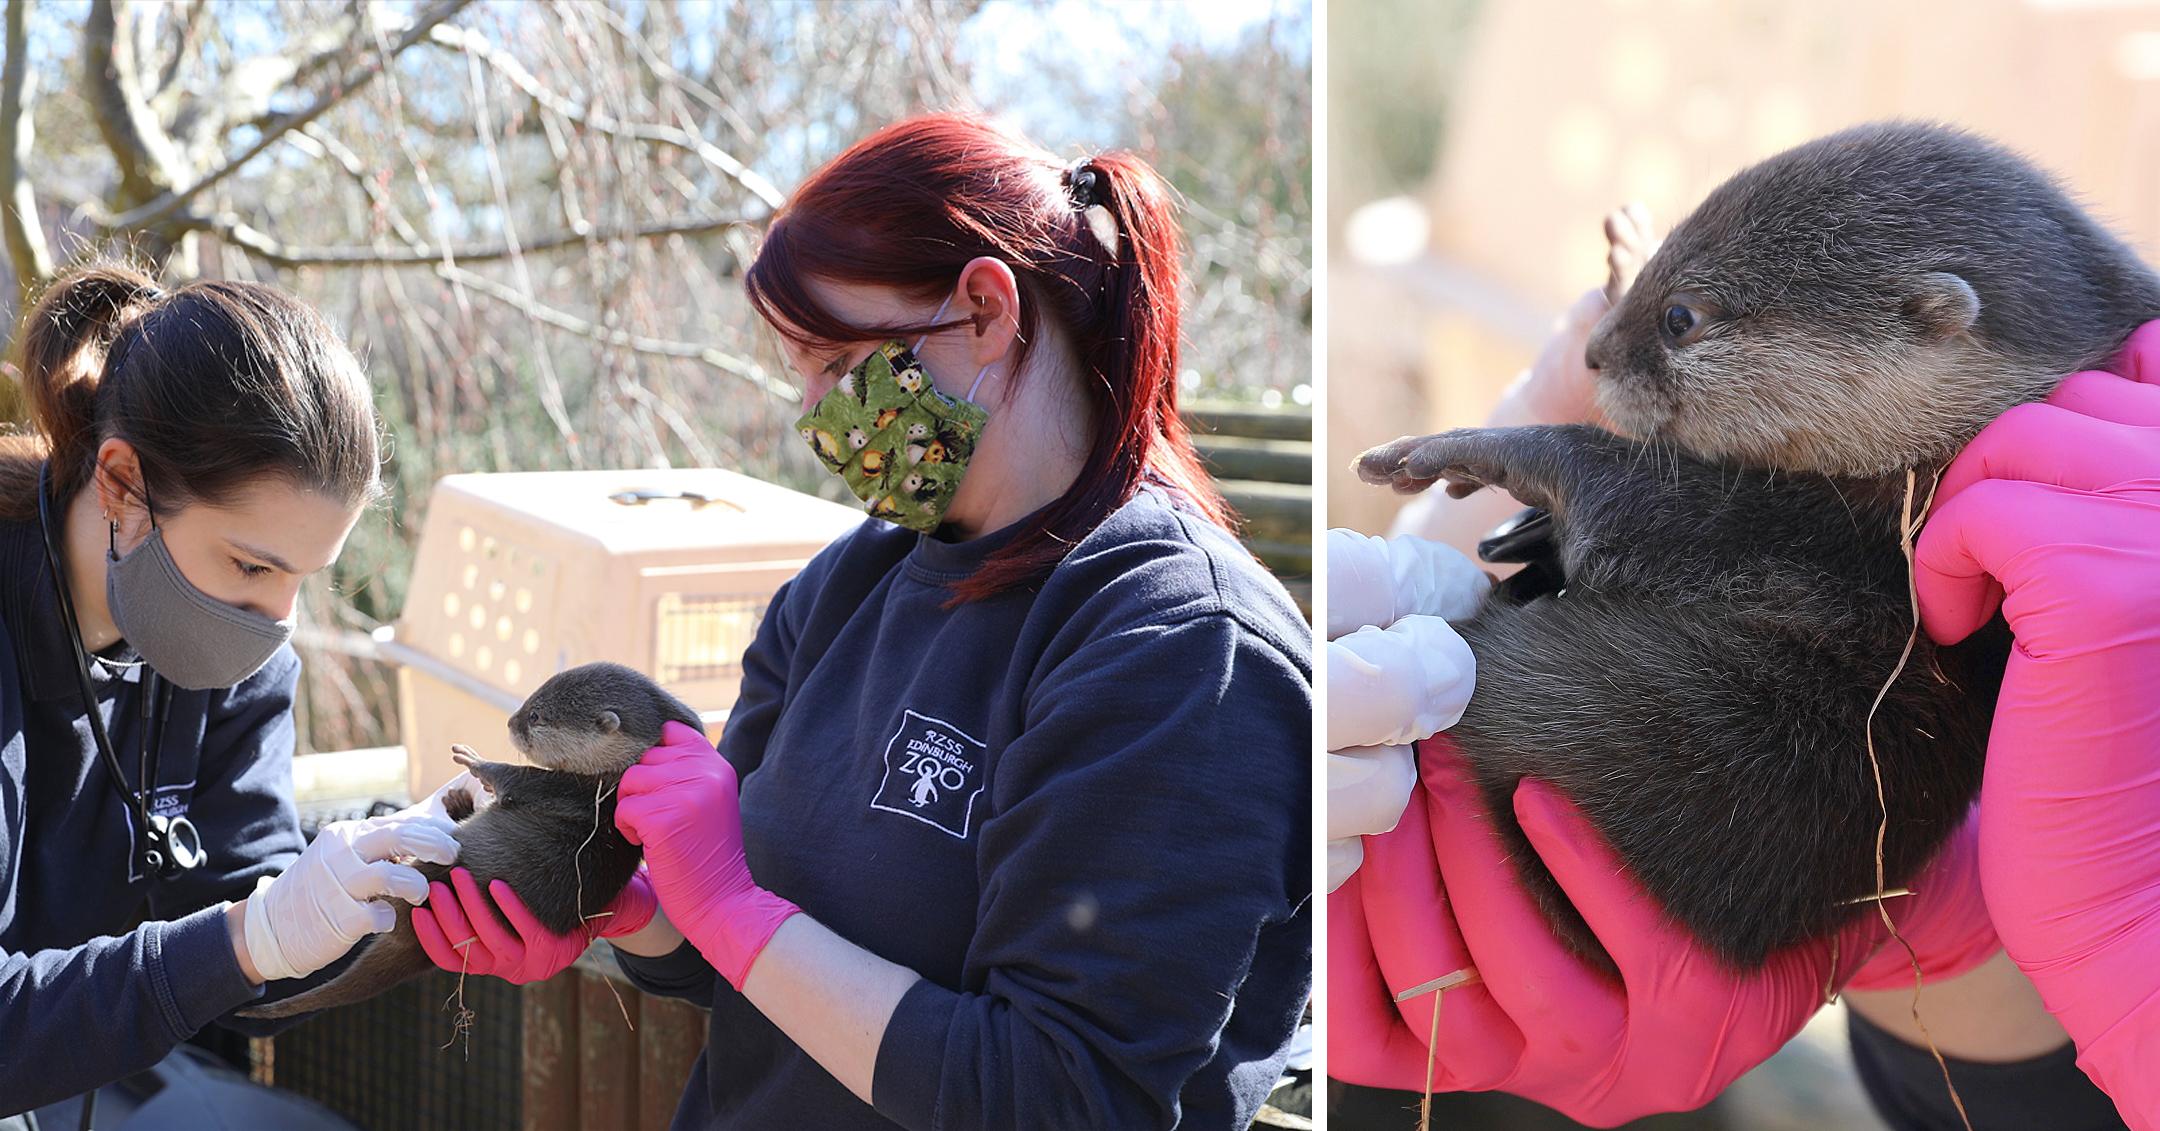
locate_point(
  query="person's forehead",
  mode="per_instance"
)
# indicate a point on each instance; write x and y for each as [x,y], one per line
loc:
[861,303]
[274,515]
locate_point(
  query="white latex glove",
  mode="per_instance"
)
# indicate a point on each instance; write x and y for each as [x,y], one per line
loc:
[1397,672]
[301,921]
[1396,685]
[1368,786]
[1377,581]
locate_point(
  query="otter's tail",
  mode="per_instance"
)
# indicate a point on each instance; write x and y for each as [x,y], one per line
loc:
[390,958]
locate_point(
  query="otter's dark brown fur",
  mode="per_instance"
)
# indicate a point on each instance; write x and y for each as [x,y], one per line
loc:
[1723,595]
[550,833]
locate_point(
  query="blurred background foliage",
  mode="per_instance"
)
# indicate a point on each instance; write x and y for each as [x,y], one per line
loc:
[1393,65]
[529,216]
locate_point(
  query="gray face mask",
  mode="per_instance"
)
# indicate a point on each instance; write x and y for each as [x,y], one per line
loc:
[187,636]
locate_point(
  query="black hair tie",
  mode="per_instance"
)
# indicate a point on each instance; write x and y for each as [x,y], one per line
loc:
[1084,183]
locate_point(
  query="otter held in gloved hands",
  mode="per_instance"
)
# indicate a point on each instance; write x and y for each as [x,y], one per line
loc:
[549,833]
[1715,601]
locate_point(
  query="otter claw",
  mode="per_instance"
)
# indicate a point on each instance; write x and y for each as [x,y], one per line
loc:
[1386,466]
[1379,465]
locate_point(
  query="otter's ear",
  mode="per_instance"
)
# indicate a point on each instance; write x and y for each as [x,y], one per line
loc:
[610,722]
[1941,304]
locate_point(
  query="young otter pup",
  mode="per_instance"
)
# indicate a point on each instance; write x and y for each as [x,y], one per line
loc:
[1714,604]
[581,729]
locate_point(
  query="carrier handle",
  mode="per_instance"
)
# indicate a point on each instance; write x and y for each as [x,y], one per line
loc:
[640,496]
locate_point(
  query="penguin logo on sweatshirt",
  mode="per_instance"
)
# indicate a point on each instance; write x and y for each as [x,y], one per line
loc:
[933,773]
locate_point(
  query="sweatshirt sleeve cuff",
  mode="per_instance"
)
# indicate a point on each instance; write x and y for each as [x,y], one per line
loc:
[196,974]
[910,1068]
[680,973]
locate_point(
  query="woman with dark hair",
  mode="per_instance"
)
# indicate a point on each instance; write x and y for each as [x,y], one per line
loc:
[194,456]
[1008,827]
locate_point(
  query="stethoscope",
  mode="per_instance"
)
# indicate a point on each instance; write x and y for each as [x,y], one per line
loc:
[168,846]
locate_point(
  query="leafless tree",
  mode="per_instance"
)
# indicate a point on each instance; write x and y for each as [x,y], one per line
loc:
[530,217]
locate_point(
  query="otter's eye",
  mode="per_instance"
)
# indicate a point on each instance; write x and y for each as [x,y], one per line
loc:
[1678,321]
[1685,320]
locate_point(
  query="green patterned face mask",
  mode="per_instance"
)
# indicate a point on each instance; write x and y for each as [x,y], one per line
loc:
[899,444]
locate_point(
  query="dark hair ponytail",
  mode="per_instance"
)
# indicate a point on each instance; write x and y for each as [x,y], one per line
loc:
[63,348]
[1095,250]
[216,385]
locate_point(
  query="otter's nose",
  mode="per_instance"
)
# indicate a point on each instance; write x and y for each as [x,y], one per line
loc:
[1599,348]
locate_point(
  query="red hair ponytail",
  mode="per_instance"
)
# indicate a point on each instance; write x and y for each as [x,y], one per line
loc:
[910,205]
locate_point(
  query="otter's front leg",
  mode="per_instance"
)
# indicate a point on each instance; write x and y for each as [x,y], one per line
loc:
[1603,493]
[1545,465]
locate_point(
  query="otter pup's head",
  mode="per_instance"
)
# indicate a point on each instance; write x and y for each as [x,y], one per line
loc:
[595,719]
[1864,303]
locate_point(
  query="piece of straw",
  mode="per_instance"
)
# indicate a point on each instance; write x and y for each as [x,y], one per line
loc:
[461,1022]
[1908,530]
[600,792]
[1436,987]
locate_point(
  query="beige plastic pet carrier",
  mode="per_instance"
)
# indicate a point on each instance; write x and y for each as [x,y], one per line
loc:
[521,575]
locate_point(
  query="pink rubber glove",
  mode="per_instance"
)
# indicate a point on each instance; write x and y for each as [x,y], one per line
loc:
[2053,515]
[680,802]
[460,933]
[1438,895]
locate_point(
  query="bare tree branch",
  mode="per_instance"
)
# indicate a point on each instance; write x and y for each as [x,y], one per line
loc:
[472,42]
[200,121]
[315,141]
[184,46]
[148,162]
[690,351]
[18,207]
[320,48]
[263,245]
[169,204]
[675,80]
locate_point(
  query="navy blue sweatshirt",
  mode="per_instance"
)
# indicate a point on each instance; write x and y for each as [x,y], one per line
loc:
[103,971]
[1080,812]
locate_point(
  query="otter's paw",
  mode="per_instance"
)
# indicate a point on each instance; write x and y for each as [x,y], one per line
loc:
[1415,462]
[1631,244]
[483,771]
[1466,457]
[1471,459]
[1385,465]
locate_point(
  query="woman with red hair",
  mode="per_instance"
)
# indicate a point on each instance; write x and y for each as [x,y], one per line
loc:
[1008,827]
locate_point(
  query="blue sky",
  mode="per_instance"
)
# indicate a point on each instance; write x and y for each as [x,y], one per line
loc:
[1110,43]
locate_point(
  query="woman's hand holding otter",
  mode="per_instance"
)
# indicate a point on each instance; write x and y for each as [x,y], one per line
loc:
[461,935]
[681,803]
[303,919]
[1668,1034]
[2052,515]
